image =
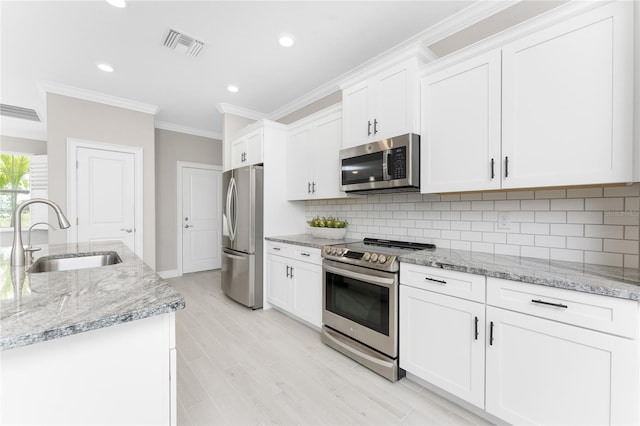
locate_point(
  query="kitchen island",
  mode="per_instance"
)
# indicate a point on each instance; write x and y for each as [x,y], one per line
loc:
[87,346]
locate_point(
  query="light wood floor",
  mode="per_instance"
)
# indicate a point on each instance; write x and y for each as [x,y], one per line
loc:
[238,366]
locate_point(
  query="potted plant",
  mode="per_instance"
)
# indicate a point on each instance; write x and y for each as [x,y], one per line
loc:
[328,227]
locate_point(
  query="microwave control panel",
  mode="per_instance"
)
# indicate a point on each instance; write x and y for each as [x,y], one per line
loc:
[397,163]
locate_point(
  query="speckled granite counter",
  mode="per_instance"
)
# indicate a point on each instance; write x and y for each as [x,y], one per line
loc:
[48,305]
[307,240]
[603,280]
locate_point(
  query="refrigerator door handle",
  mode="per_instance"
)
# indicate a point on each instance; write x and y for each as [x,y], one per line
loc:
[233,256]
[230,215]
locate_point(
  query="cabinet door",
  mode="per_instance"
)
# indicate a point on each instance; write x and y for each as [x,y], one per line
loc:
[280,285]
[328,142]
[254,147]
[300,163]
[460,144]
[307,302]
[442,341]
[544,372]
[394,103]
[356,112]
[238,152]
[567,102]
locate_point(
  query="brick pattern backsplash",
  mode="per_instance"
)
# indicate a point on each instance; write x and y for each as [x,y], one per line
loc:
[598,225]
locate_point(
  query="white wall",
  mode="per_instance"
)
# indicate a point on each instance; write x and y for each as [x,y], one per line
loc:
[598,225]
[79,119]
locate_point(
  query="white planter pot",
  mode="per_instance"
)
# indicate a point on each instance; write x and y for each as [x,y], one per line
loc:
[328,233]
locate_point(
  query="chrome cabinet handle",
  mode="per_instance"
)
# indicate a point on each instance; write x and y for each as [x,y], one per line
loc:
[542,302]
[127,230]
[435,281]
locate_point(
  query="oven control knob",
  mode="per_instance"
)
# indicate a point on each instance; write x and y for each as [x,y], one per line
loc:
[333,250]
[374,257]
[327,250]
[366,256]
[341,252]
[382,258]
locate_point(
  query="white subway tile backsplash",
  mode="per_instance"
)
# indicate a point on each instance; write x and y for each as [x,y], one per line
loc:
[595,192]
[592,224]
[498,195]
[551,217]
[585,217]
[535,228]
[520,239]
[580,243]
[520,195]
[622,191]
[567,204]
[601,258]
[537,252]
[621,246]
[534,205]
[573,230]
[507,205]
[604,204]
[604,231]
[566,255]
[551,193]
[550,241]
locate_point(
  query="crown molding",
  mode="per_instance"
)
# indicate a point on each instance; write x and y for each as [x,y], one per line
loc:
[413,47]
[242,112]
[187,130]
[88,95]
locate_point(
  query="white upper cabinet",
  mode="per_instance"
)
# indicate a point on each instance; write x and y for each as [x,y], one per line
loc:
[313,168]
[552,108]
[246,149]
[382,106]
[460,143]
[568,101]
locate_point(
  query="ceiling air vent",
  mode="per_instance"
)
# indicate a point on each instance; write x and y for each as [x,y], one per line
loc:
[190,45]
[19,112]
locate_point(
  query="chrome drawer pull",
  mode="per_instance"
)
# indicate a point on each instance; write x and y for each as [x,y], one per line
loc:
[305,254]
[542,302]
[435,281]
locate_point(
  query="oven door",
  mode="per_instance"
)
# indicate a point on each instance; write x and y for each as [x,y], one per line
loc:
[361,303]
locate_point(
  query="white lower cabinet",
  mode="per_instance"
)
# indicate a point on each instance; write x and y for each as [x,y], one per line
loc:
[294,281]
[442,341]
[540,355]
[545,372]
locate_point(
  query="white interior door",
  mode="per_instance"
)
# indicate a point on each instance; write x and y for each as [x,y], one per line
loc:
[106,198]
[201,217]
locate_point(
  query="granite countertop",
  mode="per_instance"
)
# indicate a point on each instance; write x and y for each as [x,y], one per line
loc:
[604,280]
[49,305]
[307,240]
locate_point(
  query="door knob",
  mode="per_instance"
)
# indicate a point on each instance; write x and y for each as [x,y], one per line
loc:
[127,230]
[188,226]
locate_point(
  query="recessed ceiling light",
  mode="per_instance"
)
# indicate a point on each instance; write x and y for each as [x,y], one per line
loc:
[232,88]
[105,67]
[286,40]
[117,3]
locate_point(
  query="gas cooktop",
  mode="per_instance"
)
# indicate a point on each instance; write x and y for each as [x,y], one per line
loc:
[373,253]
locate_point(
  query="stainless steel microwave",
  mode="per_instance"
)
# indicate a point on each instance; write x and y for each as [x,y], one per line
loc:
[389,165]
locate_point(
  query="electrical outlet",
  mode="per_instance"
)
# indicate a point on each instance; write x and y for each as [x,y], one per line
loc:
[504,220]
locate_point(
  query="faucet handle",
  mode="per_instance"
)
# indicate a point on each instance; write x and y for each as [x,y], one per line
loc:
[28,255]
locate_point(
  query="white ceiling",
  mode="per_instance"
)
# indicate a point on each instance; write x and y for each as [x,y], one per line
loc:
[62,42]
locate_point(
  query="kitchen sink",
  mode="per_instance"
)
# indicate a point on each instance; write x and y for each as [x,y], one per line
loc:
[72,261]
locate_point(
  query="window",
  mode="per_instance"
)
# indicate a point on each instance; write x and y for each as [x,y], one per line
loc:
[14,187]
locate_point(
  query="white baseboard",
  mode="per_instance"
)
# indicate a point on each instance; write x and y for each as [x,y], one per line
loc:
[168,274]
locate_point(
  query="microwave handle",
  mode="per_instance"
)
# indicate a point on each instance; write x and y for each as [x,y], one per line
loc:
[385,164]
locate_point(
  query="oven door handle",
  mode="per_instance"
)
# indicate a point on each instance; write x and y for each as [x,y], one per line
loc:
[387,282]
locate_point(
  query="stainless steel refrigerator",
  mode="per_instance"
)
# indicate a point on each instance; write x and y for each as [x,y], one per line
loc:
[242,225]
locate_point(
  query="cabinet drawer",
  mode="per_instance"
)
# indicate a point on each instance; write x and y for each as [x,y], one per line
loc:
[596,312]
[307,254]
[279,249]
[453,283]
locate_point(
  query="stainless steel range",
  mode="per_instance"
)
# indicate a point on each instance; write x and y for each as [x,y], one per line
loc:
[360,301]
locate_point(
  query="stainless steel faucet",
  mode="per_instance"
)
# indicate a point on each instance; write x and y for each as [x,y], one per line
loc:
[17,250]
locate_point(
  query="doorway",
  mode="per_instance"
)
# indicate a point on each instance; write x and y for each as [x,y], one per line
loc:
[104,192]
[199,217]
